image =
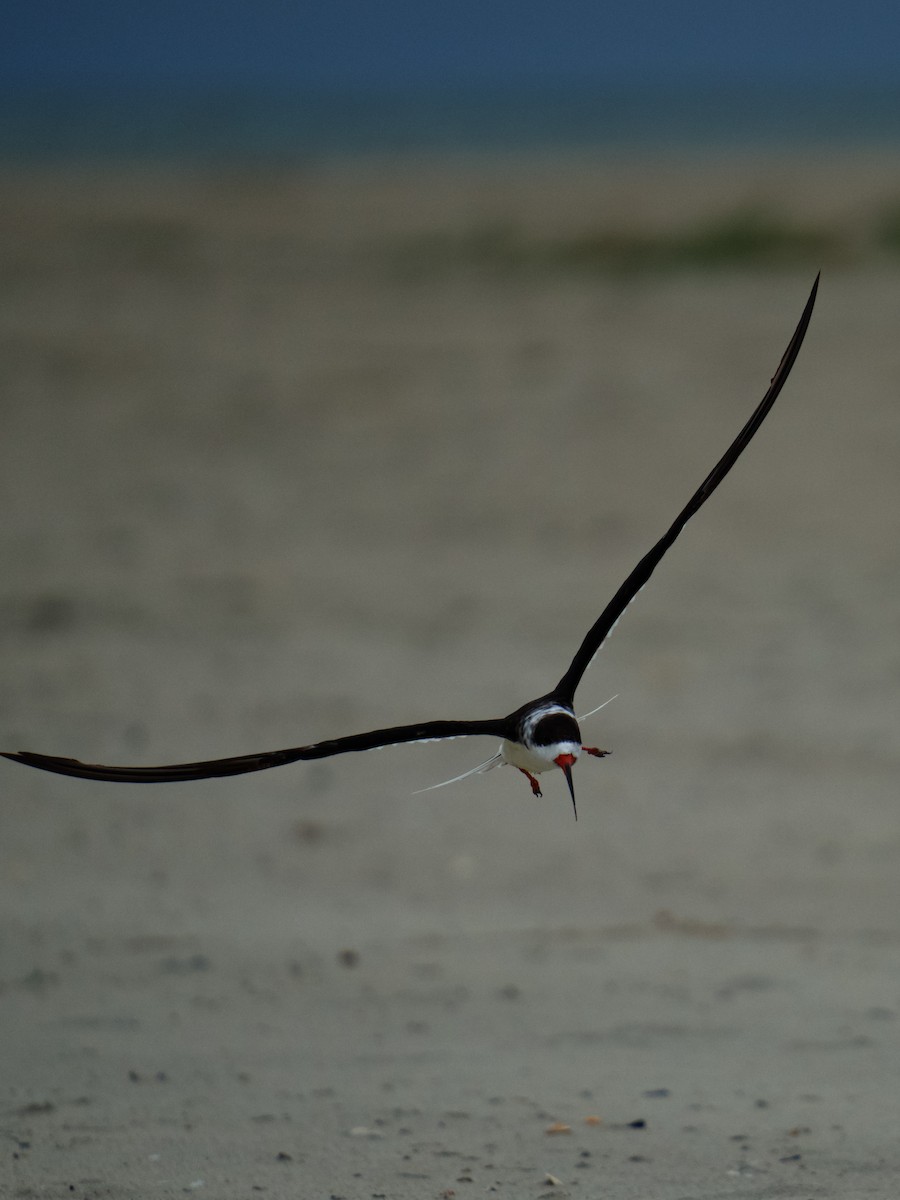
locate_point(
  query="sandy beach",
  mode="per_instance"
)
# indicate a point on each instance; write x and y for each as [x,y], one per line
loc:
[298,454]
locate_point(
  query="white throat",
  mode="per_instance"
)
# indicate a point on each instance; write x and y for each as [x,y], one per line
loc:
[537,758]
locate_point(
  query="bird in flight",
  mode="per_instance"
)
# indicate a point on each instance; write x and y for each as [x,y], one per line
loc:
[541,735]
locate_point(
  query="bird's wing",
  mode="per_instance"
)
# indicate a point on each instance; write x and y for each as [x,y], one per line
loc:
[428,731]
[602,627]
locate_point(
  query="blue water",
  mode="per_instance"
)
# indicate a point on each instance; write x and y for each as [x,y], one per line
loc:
[282,128]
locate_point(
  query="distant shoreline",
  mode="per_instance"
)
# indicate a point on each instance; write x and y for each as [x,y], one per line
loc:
[279,127]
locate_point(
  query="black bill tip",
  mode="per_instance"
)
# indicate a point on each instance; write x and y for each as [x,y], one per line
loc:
[567,771]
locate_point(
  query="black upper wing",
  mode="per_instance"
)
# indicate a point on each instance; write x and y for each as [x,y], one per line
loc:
[600,630]
[178,772]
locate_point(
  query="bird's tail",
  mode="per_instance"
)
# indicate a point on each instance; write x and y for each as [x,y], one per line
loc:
[496,761]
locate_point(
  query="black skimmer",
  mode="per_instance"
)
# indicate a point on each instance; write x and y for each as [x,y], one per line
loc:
[542,734]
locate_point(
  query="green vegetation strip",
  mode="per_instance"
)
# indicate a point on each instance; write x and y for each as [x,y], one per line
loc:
[746,238]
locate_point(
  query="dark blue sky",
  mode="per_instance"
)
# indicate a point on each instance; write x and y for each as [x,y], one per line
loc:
[191,43]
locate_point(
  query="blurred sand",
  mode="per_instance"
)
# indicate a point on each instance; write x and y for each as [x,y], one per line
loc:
[260,487]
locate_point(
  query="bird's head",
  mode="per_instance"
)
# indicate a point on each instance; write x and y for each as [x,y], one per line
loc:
[557,738]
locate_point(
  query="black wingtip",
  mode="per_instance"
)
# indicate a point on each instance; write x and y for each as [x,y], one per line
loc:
[47,762]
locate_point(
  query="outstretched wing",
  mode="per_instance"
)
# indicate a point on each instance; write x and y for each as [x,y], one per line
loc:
[428,731]
[600,630]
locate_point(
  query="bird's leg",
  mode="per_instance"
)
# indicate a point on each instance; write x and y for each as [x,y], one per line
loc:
[595,752]
[535,786]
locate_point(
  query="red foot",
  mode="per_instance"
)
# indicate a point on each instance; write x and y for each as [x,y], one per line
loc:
[535,786]
[596,753]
